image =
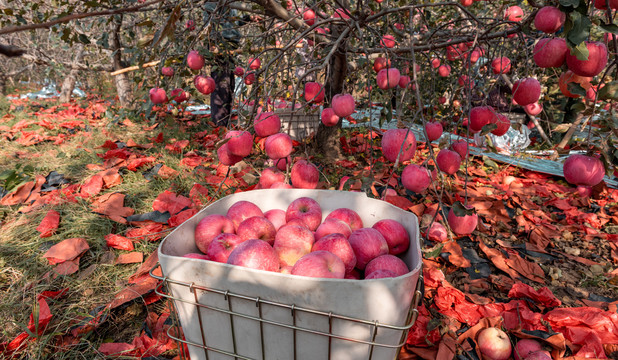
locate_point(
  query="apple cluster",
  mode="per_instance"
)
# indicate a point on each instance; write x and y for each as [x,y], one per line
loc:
[495,344]
[296,241]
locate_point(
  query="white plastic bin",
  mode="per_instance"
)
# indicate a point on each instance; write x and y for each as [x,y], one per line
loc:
[229,312]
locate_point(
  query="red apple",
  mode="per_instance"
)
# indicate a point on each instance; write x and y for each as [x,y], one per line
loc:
[569,77]
[320,264]
[460,147]
[415,178]
[434,130]
[525,347]
[240,143]
[157,96]
[602,4]
[337,244]
[504,124]
[348,216]
[494,344]
[392,143]
[167,71]
[367,244]
[343,105]
[222,246]
[255,254]
[533,109]
[404,81]
[242,210]
[435,63]
[388,41]
[307,210]
[314,92]
[387,262]
[196,256]
[257,227]
[293,242]
[380,274]
[395,234]
[239,71]
[266,124]
[526,91]
[195,61]
[388,78]
[225,158]
[305,175]
[255,63]
[179,95]
[597,59]
[329,118]
[539,355]
[278,146]
[276,217]
[249,78]
[464,80]
[333,226]
[282,163]
[583,170]
[481,116]
[501,65]
[444,70]
[309,17]
[462,225]
[381,63]
[204,84]
[448,161]
[270,176]
[550,52]
[437,232]
[353,275]
[209,227]
[549,19]
[514,13]
[190,25]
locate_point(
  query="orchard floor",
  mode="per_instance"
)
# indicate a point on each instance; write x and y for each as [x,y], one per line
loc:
[107,186]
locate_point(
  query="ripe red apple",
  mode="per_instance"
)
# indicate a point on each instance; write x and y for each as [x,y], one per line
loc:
[494,344]
[533,109]
[448,161]
[525,347]
[190,25]
[225,158]
[395,234]
[514,13]
[404,81]
[387,262]
[348,216]
[309,17]
[464,80]
[381,63]
[569,77]
[388,41]
[444,70]
[276,217]
[583,170]
[437,232]
[341,13]
[293,242]
[367,244]
[249,78]
[388,78]
[239,71]
[597,59]
[242,210]
[329,118]
[307,210]
[278,146]
[602,4]
[434,130]
[392,143]
[266,124]
[435,63]
[320,264]
[196,256]
[549,19]
[157,96]
[209,227]
[343,105]
[415,178]
[460,147]
[255,254]
[337,244]
[332,226]
[462,225]
[314,92]
[539,355]
[550,52]
[222,246]
[481,116]
[504,124]
[204,84]
[270,176]
[167,71]
[526,91]
[179,95]
[257,227]
[304,175]
[501,65]
[240,143]
[195,61]
[382,273]
[255,63]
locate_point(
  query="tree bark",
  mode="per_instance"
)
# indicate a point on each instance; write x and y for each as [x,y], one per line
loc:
[123,84]
[69,82]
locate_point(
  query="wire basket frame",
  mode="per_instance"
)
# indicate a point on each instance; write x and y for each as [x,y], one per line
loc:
[299,125]
[163,289]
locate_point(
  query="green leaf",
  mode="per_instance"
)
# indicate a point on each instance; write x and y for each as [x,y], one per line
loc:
[6,174]
[460,210]
[578,107]
[580,30]
[610,28]
[488,128]
[580,51]
[490,163]
[434,252]
[609,91]
[569,3]
[576,88]
[83,39]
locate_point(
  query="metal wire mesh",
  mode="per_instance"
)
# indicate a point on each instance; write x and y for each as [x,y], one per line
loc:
[299,125]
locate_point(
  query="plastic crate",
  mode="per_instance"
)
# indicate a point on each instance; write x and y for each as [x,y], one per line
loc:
[231,312]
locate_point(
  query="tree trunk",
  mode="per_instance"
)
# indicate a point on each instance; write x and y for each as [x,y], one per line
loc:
[2,83]
[69,82]
[123,84]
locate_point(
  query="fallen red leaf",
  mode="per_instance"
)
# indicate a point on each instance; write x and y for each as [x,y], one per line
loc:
[130,258]
[49,224]
[543,296]
[92,186]
[168,201]
[181,217]
[112,206]
[119,242]
[166,172]
[66,250]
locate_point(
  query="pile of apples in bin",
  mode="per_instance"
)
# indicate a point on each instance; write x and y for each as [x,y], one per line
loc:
[296,241]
